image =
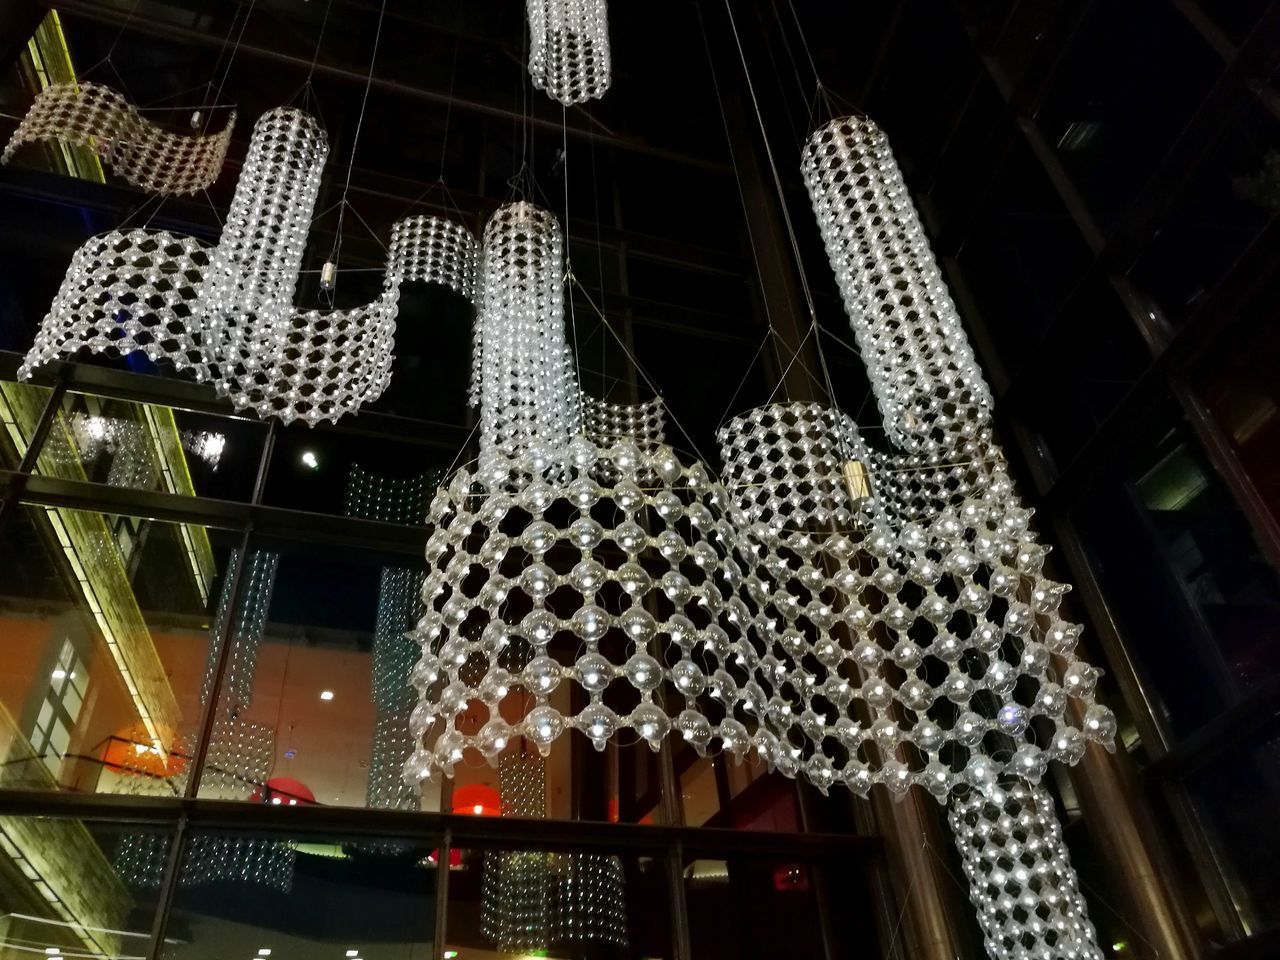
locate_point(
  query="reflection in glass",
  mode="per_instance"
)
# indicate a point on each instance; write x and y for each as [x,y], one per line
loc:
[512,905]
[137,446]
[105,622]
[734,906]
[1196,599]
[1236,798]
[374,896]
[403,500]
[60,894]
[530,899]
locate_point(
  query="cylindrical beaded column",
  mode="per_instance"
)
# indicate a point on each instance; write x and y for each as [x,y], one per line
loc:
[1020,876]
[529,402]
[569,49]
[928,385]
[252,275]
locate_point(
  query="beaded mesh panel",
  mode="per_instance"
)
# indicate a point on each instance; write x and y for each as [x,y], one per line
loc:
[1020,877]
[645,423]
[938,637]
[922,369]
[436,251]
[376,496]
[97,117]
[783,463]
[225,312]
[136,290]
[651,560]
[528,397]
[569,49]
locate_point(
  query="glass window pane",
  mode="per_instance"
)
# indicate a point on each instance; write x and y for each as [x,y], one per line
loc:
[1236,798]
[1232,195]
[243,894]
[105,622]
[518,904]
[1237,380]
[71,889]
[315,698]
[143,446]
[336,472]
[1194,596]
[1133,77]
[1023,257]
[1084,371]
[778,908]
[716,792]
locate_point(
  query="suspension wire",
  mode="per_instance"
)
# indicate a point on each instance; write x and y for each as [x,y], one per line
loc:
[315,56]
[635,362]
[782,202]
[448,109]
[114,43]
[786,46]
[231,58]
[595,197]
[336,251]
[568,258]
[742,198]
[824,93]
[798,132]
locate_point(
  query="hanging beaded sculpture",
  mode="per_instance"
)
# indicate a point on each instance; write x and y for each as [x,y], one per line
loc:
[96,117]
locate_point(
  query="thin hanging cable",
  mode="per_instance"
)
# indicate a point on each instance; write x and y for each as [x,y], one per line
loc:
[217,97]
[782,202]
[635,362]
[778,345]
[568,257]
[742,197]
[786,45]
[823,92]
[114,43]
[315,56]
[336,252]
[448,110]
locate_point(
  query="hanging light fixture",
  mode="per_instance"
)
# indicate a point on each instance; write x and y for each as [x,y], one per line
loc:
[97,117]
[645,423]
[641,541]
[1020,877]
[225,312]
[569,49]
[937,637]
[948,498]
[928,385]
[528,398]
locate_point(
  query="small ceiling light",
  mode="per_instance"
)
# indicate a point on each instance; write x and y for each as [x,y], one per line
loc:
[326,694]
[59,674]
[309,460]
[264,952]
[450,954]
[353,953]
[51,951]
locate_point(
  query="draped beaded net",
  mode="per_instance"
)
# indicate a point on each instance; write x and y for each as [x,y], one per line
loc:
[97,117]
[225,312]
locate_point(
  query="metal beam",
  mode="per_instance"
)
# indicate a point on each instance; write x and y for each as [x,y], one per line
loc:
[119,17]
[506,833]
